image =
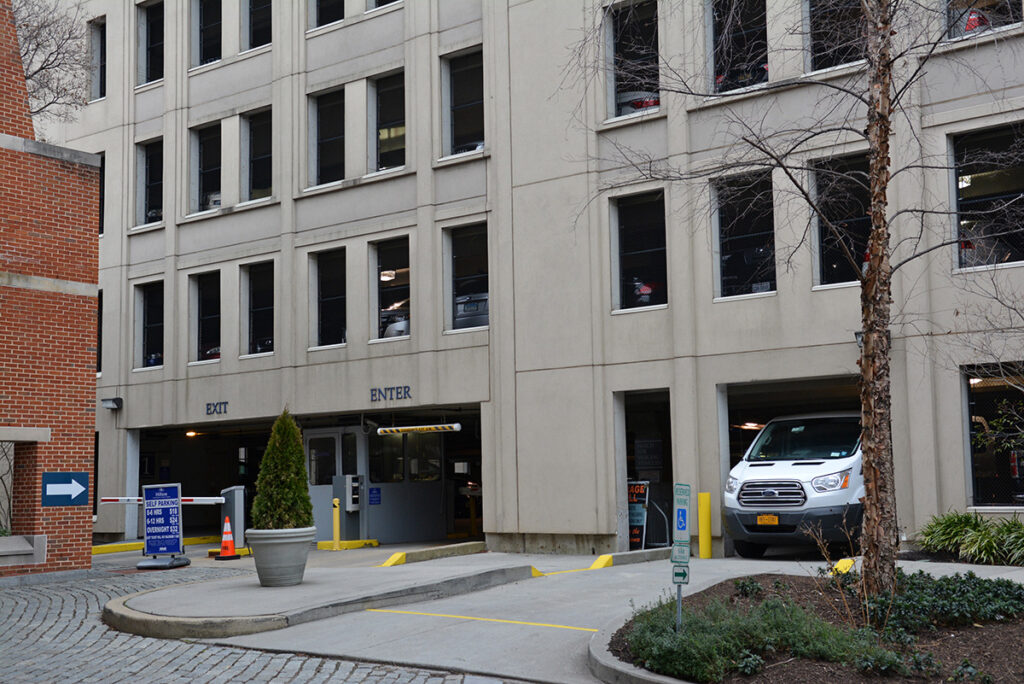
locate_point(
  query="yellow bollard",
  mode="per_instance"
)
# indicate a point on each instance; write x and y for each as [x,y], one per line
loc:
[704,523]
[336,513]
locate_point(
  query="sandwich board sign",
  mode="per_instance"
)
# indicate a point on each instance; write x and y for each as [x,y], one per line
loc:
[637,495]
[162,511]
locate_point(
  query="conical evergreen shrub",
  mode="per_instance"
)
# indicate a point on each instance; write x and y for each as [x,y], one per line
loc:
[282,498]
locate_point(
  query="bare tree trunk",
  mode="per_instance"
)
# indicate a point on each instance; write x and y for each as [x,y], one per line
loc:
[879,538]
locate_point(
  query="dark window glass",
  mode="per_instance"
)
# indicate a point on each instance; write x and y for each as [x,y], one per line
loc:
[391,121]
[381,3]
[259,22]
[261,308]
[423,452]
[387,457]
[636,57]
[209,31]
[971,17]
[842,190]
[153,198]
[154,42]
[260,159]
[997,454]
[99,332]
[152,324]
[100,33]
[103,189]
[746,233]
[741,43]
[329,10]
[208,316]
[990,196]
[643,279]
[330,294]
[330,137]
[323,460]
[648,418]
[393,287]
[837,32]
[209,167]
[469,277]
[466,76]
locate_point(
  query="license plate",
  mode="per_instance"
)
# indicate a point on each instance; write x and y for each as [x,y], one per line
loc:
[470,306]
[767,519]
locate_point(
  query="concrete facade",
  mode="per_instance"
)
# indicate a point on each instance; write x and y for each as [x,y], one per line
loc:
[554,368]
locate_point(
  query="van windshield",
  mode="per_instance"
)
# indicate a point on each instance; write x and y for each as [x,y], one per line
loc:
[810,438]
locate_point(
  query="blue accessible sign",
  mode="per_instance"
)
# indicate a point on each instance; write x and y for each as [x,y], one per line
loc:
[162,504]
[65,489]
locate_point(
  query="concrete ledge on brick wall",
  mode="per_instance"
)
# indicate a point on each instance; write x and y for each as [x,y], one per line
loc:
[24,434]
[27,550]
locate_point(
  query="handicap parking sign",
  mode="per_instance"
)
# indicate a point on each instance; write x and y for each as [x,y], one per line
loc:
[681,520]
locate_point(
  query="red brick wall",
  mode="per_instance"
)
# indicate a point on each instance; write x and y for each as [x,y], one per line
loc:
[48,230]
[14,117]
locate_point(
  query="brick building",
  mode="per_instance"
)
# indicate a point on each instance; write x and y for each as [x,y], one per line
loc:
[48,308]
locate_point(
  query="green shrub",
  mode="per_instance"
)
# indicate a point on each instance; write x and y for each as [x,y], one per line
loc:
[1012,533]
[4,532]
[719,639]
[923,601]
[983,544]
[945,533]
[282,498]
[748,587]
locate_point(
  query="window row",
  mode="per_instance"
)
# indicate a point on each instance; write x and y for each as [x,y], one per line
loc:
[989,174]
[466,299]
[464,132]
[738,53]
[206,33]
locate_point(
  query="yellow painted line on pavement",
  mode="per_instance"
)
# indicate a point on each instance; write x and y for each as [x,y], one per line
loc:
[467,617]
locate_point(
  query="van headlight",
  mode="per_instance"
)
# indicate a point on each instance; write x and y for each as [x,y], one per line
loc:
[731,485]
[833,482]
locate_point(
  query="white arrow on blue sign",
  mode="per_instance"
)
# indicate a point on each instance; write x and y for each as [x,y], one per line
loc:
[65,489]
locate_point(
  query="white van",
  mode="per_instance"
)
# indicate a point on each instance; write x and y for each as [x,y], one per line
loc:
[801,472]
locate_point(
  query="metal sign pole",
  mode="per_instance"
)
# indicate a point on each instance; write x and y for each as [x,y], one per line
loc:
[679,608]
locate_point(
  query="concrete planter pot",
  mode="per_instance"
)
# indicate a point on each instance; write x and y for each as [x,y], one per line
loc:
[280,555]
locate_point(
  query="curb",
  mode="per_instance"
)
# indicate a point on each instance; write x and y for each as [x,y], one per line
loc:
[643,556]
[463,549]
[118,615]
[609,669]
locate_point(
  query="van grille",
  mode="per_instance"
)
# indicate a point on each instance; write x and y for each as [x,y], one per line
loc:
[774,493]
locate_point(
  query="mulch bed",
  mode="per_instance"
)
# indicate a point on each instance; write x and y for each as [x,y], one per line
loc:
[997,649]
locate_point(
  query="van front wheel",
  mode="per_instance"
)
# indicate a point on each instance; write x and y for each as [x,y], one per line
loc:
[749,549]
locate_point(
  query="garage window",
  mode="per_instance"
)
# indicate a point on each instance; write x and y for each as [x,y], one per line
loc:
[740,43]
[261,307]
[390,103]
[469,276]
[387,458]
[393,295]
[150,310]
[465,103]
[971,17]
[640,227]
[995,397]
[990,196]
[746,235]
[207,307]
[330,297]
[841,187]
[837,32]
[635,40]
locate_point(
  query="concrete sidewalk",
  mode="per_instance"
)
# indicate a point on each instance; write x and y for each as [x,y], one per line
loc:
[487,613]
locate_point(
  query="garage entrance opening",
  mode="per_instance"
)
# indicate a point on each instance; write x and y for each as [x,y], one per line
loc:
[648,426]
[751,405]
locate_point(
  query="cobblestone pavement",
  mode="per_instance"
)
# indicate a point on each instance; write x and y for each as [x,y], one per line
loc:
[52,632]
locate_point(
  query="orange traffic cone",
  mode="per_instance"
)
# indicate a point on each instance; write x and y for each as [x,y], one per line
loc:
[227,543]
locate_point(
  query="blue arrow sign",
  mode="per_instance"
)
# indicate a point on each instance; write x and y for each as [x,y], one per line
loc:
[65,489]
